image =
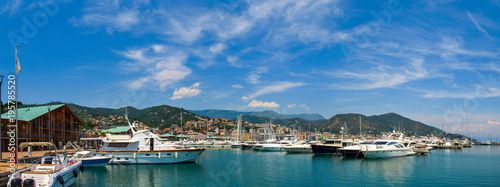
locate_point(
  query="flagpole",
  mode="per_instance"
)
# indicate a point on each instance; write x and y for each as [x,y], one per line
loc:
[17,131]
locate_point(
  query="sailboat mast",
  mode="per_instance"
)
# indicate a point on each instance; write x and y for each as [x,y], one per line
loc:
[360,127]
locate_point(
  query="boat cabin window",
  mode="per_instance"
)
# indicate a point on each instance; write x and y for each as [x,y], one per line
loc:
[118,145]
[392,143]
[345,144]
[365,143]
[380,143]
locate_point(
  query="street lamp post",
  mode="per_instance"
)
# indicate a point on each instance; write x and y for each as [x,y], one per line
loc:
[1,105]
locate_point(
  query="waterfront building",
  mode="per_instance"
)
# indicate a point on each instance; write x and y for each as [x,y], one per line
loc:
[47,123]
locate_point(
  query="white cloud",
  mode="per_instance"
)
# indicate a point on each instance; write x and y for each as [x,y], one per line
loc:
[158,48]
[291,105]
[237,86]
[217,48]
[184,92]
[255,104]
[307,108]
[479,26]
[275,88]
[494,122]
[302,105]
[155,69]
[245,98]
[233,60]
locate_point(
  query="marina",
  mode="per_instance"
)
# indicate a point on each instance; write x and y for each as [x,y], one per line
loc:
[249,93]
[235,167]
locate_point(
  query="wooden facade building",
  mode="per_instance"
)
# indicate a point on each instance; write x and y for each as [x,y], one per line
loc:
[56,123]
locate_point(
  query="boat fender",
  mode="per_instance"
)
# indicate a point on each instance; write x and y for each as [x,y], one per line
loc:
[60,179]
[81,168]
[29,183]
[75,173]
[17,182]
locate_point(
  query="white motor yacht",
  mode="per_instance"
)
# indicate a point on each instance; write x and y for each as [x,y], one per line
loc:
[386,149]
[144,147]
[54,170]
[299,147]
[275,147]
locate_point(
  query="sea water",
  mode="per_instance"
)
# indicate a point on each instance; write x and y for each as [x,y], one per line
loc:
[476,166]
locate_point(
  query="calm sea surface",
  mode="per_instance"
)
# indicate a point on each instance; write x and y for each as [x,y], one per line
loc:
[476,166]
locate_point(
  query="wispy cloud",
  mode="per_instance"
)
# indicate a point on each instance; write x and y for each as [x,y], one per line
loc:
[254,76]
[383,76]
[256,104]
[274,88]
[184,92]
[479,26]
[155,69]
[291,105]
[237,86]
[479,92]
[111,15]
[11,6]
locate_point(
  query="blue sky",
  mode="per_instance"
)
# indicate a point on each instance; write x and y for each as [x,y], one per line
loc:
[423,59]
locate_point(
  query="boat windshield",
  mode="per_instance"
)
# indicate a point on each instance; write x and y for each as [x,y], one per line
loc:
[47,160]
[380,143]
[365,143]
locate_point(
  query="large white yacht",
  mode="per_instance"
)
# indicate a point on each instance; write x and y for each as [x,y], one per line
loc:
[386,149]
[144,147]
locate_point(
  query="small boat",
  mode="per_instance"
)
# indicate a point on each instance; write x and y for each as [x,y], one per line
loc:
[54,170]
[420,149]
[247,145]
[235,145]
[299,147]
[450,145]
[275,147]
[90,159]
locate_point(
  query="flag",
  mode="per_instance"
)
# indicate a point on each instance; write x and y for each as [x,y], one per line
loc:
[18,65]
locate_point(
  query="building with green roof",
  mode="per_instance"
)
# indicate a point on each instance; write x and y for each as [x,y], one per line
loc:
[49,123]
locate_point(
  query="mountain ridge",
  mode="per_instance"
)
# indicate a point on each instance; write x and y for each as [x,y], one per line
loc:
[231,114]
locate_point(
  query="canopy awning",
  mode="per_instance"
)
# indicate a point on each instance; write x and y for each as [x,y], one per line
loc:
[167,135]
[182,136]
[27,144]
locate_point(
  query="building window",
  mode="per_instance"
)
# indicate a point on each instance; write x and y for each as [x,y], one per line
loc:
[35,123]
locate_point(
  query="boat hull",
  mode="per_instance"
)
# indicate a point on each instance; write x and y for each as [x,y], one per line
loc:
[272,149]
[352,153]
[387,153]
[154,157]
[99,162]
[325,149]
[298,150]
